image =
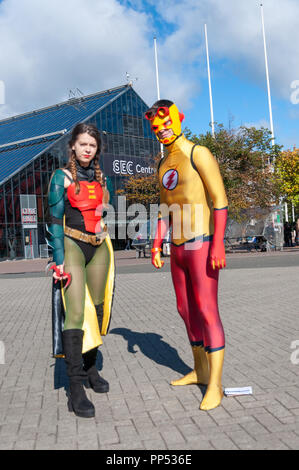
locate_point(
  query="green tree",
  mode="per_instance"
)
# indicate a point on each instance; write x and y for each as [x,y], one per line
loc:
[142,189]
[245,158]
[287,175]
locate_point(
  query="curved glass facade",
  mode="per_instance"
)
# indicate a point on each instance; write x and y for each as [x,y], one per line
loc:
[128,146]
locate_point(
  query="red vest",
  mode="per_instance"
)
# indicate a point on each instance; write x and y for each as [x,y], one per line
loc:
[89,202]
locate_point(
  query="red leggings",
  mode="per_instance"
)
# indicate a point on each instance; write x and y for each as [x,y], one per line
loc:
[196,285]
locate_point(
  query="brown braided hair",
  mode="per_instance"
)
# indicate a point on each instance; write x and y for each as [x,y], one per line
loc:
[90,129]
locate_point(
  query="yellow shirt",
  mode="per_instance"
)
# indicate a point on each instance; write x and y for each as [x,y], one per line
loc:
[188,193]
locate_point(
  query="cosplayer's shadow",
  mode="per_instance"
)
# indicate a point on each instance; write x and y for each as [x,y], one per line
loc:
[60,376]
[152,346]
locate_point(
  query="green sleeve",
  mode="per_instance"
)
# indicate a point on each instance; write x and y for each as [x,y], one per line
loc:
[110,189]
[55,232]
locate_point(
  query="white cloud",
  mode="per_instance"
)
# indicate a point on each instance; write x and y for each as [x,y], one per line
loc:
[258,124]
[235,33]
[51,46]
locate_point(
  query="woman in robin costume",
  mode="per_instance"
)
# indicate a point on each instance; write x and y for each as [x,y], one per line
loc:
[194,203]
[82,252]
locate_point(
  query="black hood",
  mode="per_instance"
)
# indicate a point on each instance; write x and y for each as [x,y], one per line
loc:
[85,173]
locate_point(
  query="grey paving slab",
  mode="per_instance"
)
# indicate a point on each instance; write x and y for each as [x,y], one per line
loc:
[146,348]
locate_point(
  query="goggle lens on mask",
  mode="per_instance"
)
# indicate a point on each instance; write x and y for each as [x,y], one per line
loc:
[162,112]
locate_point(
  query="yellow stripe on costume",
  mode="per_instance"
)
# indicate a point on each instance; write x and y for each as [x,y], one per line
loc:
[92,336]
[108,289]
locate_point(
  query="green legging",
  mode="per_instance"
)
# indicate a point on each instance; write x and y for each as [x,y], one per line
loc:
[94,274]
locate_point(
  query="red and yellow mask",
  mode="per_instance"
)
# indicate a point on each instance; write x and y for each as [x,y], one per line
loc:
[165,115]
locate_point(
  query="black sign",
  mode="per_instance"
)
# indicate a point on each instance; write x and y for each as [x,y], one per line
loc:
[122,165]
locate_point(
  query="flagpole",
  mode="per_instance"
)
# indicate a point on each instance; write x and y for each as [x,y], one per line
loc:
[209,79]
[158,86]
[269,95]
[267,76]
[157,68]
[293,213]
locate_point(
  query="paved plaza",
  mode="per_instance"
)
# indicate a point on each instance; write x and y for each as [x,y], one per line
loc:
[146,348]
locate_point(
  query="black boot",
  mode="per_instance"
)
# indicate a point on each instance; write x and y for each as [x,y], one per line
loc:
[97,383]
[77,399]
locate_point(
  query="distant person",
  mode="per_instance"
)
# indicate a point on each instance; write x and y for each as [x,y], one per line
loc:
[128,244]
[297,232]
[287,234]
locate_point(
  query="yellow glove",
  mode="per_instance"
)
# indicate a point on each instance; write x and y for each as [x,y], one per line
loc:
[156,258]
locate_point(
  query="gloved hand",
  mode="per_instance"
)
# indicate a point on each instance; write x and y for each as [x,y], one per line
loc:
[162,228]
[59,274]
[217,253]
[156,258]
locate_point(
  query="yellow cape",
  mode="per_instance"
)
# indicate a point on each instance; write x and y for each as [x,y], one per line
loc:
[92,334]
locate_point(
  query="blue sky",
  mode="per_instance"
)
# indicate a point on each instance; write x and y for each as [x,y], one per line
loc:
[239,96]
[53,46]
[238,101]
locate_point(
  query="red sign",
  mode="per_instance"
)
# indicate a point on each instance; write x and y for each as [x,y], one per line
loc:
[29,216]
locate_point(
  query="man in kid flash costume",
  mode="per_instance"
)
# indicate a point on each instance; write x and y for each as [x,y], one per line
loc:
[189,176]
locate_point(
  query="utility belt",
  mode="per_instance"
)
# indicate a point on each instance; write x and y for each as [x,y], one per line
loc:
[94,240]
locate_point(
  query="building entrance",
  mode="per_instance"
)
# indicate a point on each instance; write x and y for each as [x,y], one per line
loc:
[30,237]
[29,225]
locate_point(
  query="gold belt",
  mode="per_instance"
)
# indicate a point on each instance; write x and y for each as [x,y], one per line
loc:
[94,240]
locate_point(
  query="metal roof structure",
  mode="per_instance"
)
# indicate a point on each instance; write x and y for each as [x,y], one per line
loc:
[25,136]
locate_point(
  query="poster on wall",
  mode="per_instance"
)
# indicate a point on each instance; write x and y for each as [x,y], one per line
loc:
[28,210]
